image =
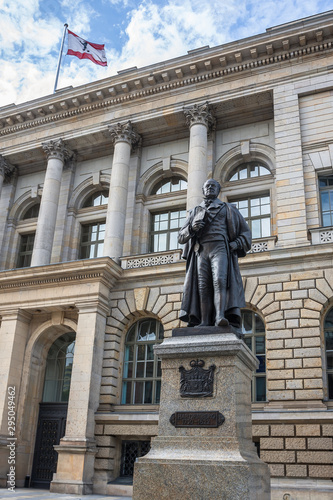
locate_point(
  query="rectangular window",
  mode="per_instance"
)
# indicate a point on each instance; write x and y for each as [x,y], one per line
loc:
[164,230]
[326,200]
[256,210]
[25,250]
[92,240]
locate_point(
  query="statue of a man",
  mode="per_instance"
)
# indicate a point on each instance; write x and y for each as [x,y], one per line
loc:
[215,235]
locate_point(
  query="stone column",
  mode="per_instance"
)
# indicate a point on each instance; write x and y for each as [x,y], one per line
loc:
[199,118]
[13,337]
[56,153]
[123,137]
[77,449]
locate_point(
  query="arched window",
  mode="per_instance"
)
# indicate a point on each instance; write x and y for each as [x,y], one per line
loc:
[253,329]
[253,201]
[328,332]
[58,370]
[142,368]
[248,171]
[31,212]
[97,199]
[169,185]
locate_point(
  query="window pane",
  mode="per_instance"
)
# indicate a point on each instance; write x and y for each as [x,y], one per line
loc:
[148,392]
[150,352]
[243,173]
[157,391]
[256,228]
[329,340]
[138,392]
[330,360]
[262,364]
[141,352]
[260,389]
[325,204]
[265,227]
[260,345]
[150,369]
[330,385]
[327,220]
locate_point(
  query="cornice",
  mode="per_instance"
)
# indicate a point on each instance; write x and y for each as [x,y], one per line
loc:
[302,40]
[102,269]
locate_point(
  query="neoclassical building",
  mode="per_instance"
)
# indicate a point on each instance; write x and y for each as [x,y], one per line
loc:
[95,182]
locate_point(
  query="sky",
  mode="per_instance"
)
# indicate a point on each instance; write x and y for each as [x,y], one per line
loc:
[135,33]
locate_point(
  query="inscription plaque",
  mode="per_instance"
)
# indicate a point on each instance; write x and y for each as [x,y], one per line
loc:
[197,419]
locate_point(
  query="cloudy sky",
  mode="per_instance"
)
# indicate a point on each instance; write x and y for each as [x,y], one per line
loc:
[135,33]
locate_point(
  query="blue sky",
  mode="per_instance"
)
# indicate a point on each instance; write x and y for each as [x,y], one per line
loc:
[135,33]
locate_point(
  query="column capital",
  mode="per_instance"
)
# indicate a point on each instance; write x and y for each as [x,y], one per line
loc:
[124,132]
[199,114]
[6,168]
[56,148]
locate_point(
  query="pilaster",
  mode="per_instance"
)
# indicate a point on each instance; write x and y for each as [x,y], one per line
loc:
[290,192]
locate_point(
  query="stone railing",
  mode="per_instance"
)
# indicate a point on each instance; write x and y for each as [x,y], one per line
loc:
[321,235]
[151,259]
[263,244]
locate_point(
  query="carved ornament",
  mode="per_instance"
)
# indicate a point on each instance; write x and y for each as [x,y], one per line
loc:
[56,149]
[197,382]
[199,114]
[124,132]
[6,168]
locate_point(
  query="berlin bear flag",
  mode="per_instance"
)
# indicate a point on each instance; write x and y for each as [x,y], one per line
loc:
[82,49]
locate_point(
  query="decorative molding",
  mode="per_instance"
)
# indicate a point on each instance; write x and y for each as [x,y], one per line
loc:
[151,259]
[321,235]
[263,244]
[47,281]
[124,132]
[200,114]
[222,65]
[56,149]
[7,170]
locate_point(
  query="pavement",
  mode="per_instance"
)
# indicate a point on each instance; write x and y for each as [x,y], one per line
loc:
[37,494]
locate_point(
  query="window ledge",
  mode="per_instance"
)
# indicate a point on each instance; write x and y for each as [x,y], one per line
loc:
[321,235]
[151,259]
[263,244]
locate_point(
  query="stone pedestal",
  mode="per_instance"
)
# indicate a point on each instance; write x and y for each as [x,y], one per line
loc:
[215,458]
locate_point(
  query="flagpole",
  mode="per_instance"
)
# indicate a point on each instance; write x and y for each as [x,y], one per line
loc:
[60,55]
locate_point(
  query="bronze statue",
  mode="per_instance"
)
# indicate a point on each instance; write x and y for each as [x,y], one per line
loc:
[215,235]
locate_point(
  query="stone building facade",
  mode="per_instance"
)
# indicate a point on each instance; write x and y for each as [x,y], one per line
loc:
[95,182]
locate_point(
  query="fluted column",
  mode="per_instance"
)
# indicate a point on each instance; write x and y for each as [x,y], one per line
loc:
[199,118]
[124,137]
[56,153]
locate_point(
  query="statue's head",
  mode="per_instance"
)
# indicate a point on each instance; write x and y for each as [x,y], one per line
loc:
[211,189]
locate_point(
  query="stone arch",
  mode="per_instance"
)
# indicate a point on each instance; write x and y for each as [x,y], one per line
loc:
[33,369]
[86,188]
[23,203]
[235,157]
[157,172]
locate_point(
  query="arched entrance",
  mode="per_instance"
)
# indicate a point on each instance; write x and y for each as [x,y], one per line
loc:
[53,409]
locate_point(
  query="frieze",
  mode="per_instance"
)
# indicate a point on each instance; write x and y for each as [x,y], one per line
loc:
[197,382]
[226,68]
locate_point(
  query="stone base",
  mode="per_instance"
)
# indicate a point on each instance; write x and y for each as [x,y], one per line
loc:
[71,487]
[195,479]
[195,457]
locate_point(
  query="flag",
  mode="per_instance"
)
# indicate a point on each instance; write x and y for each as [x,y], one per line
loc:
[85,50]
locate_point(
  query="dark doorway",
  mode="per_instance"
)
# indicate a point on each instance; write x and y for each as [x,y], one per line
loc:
[51,428]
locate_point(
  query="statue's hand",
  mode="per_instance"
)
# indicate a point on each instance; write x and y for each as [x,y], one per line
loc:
[233,246]
[198,224]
